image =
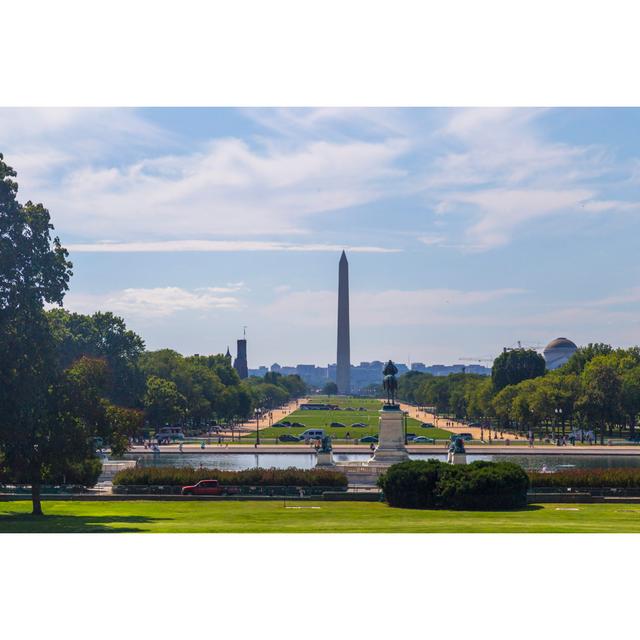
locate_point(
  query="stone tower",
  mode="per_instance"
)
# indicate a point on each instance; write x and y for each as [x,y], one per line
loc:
[343,372]
[240,363]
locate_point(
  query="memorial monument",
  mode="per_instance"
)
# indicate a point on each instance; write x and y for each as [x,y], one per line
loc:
[391,440]
[457,453]
[343,369]
[325,453]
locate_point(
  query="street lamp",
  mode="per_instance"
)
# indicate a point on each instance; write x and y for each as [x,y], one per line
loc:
[257,427]
[558,413]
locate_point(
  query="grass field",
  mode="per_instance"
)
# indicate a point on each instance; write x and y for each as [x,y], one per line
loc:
[309,517]
[322,420]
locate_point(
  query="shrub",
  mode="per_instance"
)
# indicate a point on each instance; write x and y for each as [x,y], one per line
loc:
[180,476]
[420,484]
[588,478]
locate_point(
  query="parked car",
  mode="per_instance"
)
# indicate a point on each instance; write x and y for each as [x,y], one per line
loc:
[286,423]
[336,424]
[411,437]
[464,436]
[203,488]
[298,424]
[427,425]
[287,437]
[422,440]
[369,439]
[358,424]
[279,424]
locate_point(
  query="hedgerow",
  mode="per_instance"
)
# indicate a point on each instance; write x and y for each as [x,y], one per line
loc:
[181,476]
[587,478]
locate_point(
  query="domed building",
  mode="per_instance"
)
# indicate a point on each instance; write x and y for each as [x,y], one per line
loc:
[558,351]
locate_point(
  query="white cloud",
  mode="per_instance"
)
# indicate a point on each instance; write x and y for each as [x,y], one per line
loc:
[217,246]
[502,174]
[158,302]
[225,188]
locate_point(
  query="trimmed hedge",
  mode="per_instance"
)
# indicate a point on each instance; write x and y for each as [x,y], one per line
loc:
[430,484]
[181,476]
[587,478]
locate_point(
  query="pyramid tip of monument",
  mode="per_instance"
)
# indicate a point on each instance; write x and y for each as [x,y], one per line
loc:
[343,256]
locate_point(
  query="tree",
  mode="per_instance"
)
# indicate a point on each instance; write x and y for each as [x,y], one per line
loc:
[601,397]
[163,402]
[330,389]
[34,270]
[514,366]
[102,335]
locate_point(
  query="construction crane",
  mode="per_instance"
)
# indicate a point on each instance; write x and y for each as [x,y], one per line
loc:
[520,345]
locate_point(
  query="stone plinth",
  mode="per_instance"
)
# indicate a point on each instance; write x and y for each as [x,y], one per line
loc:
[391,447]
[325,459]
[457,458]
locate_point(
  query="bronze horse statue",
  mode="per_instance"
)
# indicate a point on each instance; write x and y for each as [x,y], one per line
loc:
[389,382]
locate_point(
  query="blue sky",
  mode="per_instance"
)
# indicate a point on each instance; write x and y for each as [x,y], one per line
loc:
[466,229]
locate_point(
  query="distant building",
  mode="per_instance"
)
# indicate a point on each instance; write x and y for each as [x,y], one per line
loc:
[558,352]
[260,372]
[240,363]
[418,366]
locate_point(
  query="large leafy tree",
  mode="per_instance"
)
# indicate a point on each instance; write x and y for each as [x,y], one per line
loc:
[102,335]
[34,270]
[515,365]
[163,403]
[601,397]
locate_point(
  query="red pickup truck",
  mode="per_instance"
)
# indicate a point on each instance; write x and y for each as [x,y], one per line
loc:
[203,488]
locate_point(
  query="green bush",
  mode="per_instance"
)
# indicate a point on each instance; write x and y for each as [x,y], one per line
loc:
[429,484]
[588,478]
[180,476]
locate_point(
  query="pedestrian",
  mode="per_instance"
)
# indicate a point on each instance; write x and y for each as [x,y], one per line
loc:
[180,447]
[348,435]
[202,445]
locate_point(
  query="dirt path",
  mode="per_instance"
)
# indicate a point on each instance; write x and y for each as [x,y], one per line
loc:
[449,425]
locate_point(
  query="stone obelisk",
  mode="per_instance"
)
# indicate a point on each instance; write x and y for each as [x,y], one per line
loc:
[343,372]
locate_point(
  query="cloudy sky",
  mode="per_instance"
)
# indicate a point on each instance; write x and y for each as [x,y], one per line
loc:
[466,230]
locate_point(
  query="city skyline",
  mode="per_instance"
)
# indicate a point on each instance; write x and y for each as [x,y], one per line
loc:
[479,227]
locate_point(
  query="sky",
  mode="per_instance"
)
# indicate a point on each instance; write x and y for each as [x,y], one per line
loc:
[466,230]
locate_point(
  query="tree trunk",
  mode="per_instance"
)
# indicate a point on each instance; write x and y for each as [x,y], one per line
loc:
[35,498]
[602,429]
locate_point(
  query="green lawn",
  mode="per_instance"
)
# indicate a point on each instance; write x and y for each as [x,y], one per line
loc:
[322,419]
[309,517]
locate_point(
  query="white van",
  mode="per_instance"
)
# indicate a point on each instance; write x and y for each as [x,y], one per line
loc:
[169,433]
[312,434]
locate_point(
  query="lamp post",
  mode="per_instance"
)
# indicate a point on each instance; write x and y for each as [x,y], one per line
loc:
[257,427]
[558,413]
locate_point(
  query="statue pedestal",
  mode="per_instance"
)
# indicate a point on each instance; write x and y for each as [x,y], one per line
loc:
[457,458]
[391,448]
[325,459]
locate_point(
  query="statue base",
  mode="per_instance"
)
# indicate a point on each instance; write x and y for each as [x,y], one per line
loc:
[325,459]
[457,458]
[391,447]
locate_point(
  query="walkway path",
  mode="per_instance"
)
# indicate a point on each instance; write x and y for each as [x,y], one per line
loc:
[448,424]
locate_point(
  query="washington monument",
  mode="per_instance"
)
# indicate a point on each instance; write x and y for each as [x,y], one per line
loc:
[343,373]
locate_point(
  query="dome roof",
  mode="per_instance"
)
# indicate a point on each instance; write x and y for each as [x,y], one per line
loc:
[561,343]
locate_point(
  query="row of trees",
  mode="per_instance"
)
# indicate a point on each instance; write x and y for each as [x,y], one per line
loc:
[597,389]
